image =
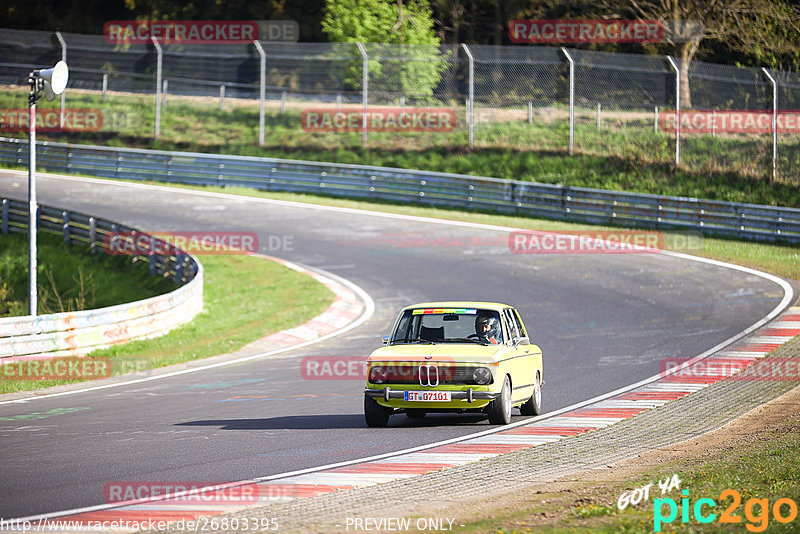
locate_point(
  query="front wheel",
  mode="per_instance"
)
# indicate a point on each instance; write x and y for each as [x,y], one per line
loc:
[533,406]
[374,414]
[500,408]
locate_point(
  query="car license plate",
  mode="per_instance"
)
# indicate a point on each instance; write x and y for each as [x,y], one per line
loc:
[427,396]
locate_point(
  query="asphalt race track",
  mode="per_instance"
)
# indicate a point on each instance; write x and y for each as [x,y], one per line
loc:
[603,322]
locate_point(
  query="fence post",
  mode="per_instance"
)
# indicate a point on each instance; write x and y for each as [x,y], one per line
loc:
[713,123]
[158,86]
[677,110]
[774,123]
[471,105]
[222,97]
[64,59]
[105,85]
[338,102]
[283,102]
[530,112]
[571,101]
[364,90]
[164,89]
[598,115]
[655,120]
[261,90]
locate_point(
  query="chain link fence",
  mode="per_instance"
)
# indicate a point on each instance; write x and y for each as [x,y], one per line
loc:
[524,97]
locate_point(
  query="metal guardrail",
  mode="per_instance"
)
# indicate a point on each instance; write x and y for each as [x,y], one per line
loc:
[596,206]
[72,333]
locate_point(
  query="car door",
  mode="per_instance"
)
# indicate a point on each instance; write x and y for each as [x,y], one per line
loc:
[524,362]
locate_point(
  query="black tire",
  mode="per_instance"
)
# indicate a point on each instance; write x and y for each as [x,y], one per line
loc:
[374,414]
[500,408]
[533,406]
[415,413]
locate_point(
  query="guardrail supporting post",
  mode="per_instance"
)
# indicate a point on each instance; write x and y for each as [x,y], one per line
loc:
[774,124]
[5,216]
[105,86]
[63,44]
[364,90]
[158,86]
[471,101]
[677,110]
[65,226]
[262,84]
[571,101]
[92,235]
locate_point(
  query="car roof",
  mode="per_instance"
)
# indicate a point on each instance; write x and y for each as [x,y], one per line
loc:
[460,304]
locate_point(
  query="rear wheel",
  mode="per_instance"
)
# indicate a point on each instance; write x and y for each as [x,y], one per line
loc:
[374,414]
[500,408]
[533,406]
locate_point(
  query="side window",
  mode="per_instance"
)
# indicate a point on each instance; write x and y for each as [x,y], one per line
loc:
[518,322]
[512,323]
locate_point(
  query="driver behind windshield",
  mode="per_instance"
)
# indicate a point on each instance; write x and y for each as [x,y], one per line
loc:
[488,328]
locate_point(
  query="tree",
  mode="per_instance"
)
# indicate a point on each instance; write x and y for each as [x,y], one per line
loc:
[745,25]
[414,69]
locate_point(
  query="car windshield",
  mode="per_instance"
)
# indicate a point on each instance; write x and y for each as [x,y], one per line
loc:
[448,325]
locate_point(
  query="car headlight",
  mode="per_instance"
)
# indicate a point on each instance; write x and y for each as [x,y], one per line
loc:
[482,376]
[377,374]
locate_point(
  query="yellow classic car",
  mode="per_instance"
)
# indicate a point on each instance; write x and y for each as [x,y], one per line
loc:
[454,357]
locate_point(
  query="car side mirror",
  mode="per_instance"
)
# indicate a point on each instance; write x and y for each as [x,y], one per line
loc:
[385,340]
[521,341]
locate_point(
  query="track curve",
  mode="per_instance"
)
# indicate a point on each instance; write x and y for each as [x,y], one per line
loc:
[602,321]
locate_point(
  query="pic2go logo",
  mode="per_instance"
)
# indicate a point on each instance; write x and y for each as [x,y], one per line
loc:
[756,511]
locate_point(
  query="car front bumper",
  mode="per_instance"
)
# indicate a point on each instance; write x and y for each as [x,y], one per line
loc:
[471,396]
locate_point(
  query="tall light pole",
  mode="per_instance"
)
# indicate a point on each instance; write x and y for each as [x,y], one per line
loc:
[50,82]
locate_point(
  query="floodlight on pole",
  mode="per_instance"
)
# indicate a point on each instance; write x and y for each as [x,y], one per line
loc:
[50,83]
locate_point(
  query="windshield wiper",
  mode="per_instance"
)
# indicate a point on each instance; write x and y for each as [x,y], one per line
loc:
[463,339]
[415,340]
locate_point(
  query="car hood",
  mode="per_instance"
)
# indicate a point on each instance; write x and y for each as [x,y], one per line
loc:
[440,352]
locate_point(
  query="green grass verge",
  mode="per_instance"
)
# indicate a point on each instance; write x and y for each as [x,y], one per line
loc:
[70,279]
[624,154]
[245,298]
[764,468]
